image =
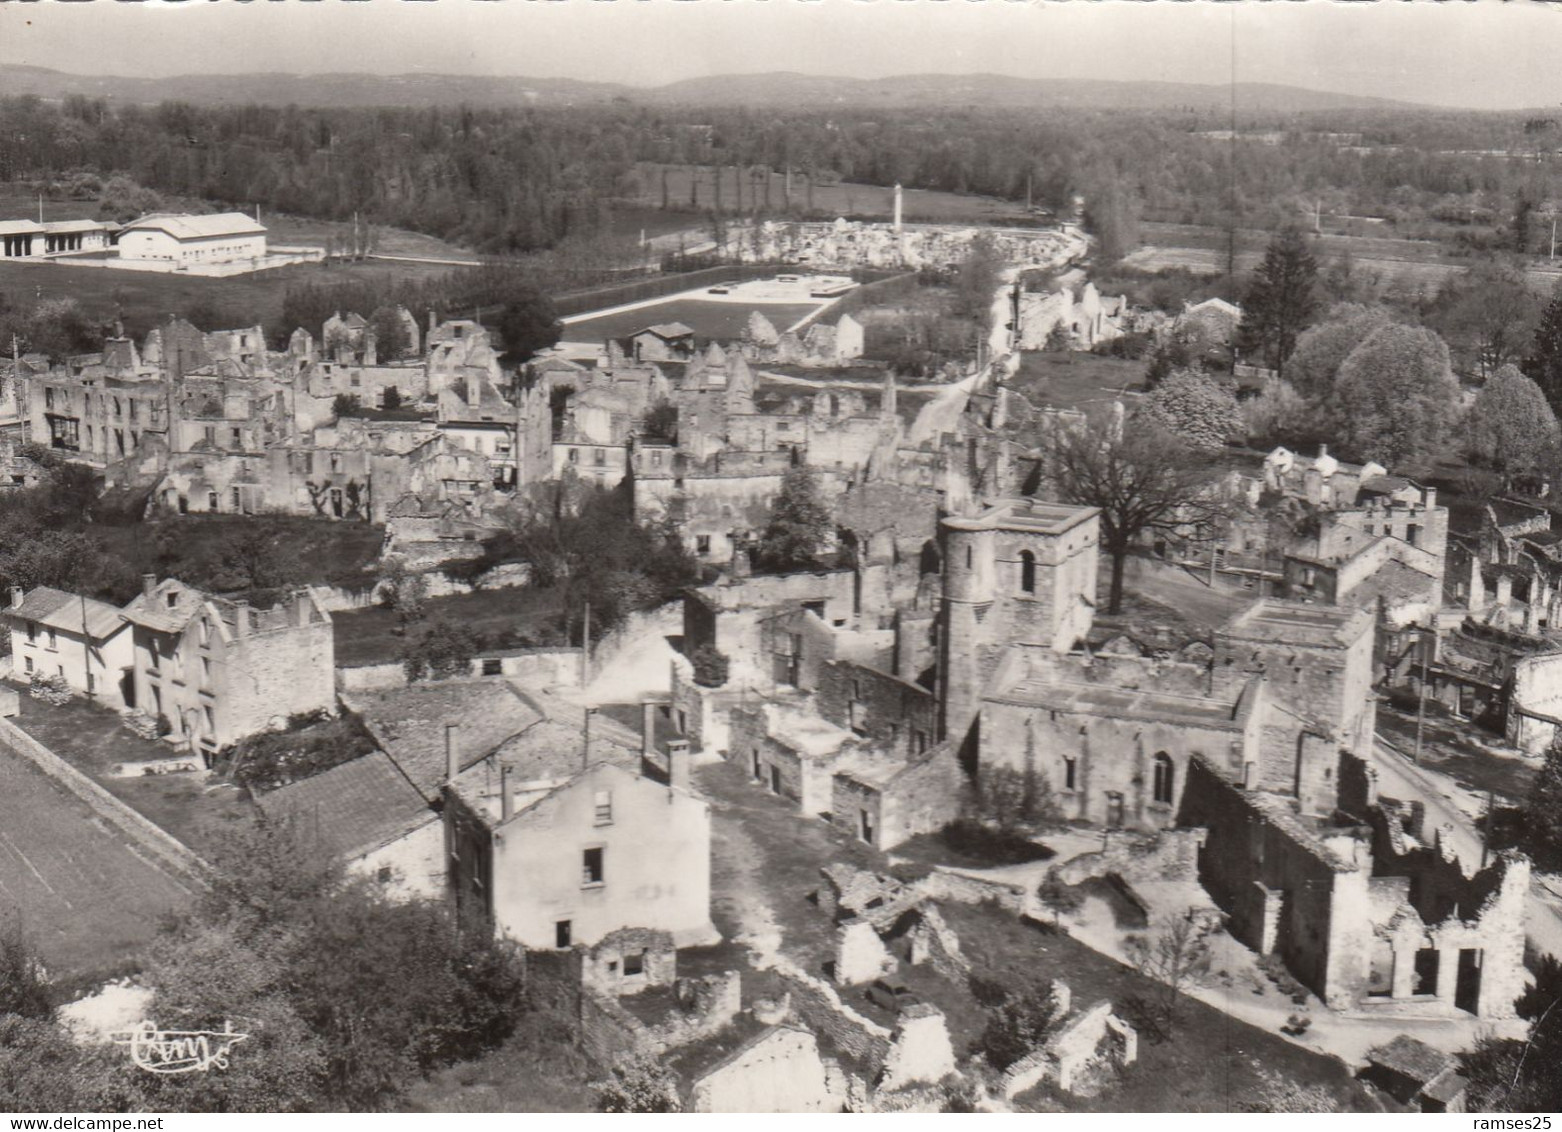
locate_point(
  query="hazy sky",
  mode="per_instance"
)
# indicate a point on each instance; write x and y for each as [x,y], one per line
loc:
[1485,53]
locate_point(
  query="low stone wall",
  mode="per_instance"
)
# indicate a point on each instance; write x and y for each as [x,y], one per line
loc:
[554,668]
[944,883]
[1171,854]
[159,842]
[713,1001]
[818,1006]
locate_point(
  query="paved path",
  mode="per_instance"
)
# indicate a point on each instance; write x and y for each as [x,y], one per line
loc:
[86,894]
[1174,587]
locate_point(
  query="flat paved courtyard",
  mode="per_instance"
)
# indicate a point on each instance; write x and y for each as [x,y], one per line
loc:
[87,897]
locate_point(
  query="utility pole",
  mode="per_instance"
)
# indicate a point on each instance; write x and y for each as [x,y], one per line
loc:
[1421,699]
[1491,805]
[585,647]
[86,647]
[585,744]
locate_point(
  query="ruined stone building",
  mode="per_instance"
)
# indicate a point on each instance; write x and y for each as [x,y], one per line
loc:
[1361,900]
[1022,570]
[218,670]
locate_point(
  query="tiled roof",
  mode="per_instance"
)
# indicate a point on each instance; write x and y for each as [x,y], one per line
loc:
[60,610]
[154,610]
[1414,1059]
[409,723]
[352,808]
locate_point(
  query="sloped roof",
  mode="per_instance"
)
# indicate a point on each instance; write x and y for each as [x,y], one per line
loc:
[20,228]
[409,723]
[667,330]
[352,808]
[185,227]
[60,610]
[1412,1058]
[155,611]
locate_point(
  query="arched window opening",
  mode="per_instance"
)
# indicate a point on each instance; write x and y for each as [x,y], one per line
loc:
[1165,777]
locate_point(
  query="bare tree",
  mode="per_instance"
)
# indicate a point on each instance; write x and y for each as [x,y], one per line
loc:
[1143,479]
[1176,955]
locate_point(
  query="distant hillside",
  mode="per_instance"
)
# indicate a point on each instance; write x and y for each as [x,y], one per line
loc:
[787,88]
[780,89]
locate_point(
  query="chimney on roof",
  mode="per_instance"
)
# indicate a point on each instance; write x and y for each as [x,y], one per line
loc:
[16,596]
[452,759]
[678,764]
[241,625]
[148,584]
[647,724]
[1323,450]
[506,802]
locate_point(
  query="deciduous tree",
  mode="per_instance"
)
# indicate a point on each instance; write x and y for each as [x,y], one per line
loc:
[1510,427]
[1396,397]
[1195,407]
[1141,477]
[1322,349]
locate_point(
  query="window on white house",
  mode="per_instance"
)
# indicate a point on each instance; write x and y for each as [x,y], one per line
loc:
[591,867]
[604,807]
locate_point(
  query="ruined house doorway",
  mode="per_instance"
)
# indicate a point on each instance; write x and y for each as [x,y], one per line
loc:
[1467,987]
[1114,810]
[1424,980]
[1380,975]
[127,687]
[775,780]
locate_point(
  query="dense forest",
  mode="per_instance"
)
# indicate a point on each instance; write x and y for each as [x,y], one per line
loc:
[509,180]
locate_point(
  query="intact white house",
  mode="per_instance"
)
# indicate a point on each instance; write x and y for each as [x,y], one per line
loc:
[83,641]
[194,241]
[25,239]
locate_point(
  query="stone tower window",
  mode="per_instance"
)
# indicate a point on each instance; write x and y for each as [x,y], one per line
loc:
[1165,777]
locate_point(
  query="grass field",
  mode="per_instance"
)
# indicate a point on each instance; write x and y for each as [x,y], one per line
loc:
[18,201]
[1075,380]
[764,850]
[1210,1062]
[842,198]
[710,320]
[146,298]
[83,894]
[1399,265]
[375,635]
[93,740]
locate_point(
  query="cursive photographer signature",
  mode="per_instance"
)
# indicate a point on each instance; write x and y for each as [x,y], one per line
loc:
[178,1051]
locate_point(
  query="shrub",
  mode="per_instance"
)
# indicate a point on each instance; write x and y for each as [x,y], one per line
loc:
[711,666]
[50,689]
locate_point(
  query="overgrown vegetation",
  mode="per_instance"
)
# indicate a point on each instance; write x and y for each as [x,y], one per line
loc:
[312,742]
[264,951]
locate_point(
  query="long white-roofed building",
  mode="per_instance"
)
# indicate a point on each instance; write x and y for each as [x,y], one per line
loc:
[193,241]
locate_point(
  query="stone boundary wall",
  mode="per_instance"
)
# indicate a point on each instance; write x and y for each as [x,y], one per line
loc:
[1171,854]
[150,836]
[558,667]
[665,619]
[819,1006]
[944,883]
